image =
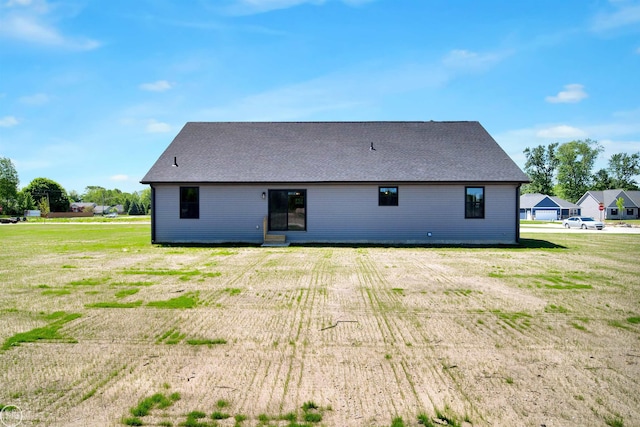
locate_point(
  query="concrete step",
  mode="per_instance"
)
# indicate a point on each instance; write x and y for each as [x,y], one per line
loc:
[274,238]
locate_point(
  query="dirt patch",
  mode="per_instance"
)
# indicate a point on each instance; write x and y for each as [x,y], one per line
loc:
[488,336]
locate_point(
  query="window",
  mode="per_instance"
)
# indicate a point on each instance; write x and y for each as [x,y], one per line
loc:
[614,211]
[629,212]
[474,202]
[388,196]
[189,202]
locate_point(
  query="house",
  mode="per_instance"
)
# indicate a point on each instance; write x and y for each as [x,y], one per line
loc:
[82,207]
[335,182]
[106,209]
[591,201]
[536,206]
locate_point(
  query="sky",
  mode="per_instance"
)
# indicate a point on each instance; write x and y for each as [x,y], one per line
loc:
[92,92]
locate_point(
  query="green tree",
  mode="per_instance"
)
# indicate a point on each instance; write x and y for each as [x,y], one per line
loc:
[623,168]
[8,184]
[135,209]
[74,196]
[45,188]
[25,202]
[620,205]
[575,163]
[145,200]
[541,166]
[43,206]
[601,180]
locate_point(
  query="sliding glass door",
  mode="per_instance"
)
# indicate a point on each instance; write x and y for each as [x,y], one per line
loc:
[287,210]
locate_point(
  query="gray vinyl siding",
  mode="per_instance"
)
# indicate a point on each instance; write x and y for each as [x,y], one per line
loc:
[227,214]
[590,207]
[342,214]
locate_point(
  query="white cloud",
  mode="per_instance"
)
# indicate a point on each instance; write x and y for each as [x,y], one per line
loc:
[622,17]
[30,22]
[573,93]
[157,86]
[467,60]
[561,132]
[249,7]
[35,99]
[12,3]
[8,121]
[119,178]
[154,126]
[352,92]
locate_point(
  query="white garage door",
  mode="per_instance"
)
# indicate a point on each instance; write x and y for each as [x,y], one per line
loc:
[550,215]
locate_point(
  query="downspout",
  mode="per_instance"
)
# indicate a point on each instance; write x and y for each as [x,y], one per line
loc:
[153,214]
[518,213]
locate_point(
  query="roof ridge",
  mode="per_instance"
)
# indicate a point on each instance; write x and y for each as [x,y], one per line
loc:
[336,121]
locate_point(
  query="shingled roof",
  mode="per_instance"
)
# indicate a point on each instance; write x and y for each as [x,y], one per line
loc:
[325,152]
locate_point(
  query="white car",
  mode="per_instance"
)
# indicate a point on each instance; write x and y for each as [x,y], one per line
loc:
[582,222]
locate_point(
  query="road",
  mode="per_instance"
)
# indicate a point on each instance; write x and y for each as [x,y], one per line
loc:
[558,228]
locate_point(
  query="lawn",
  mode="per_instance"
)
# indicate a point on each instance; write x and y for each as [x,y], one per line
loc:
[99,327]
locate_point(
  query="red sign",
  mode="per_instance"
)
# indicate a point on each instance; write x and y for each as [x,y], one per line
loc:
[601,207]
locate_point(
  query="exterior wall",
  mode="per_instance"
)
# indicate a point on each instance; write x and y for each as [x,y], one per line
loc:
[590,207]
[621,215]
[342,214]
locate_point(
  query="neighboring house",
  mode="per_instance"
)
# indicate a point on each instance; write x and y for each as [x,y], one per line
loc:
[82,207]
[591,200]
[536,206]
[335,182]
[103,210]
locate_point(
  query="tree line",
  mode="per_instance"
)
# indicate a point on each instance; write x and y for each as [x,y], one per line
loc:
[47,195]
[566,170]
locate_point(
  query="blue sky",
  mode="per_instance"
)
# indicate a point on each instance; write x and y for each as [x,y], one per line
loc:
[91,92]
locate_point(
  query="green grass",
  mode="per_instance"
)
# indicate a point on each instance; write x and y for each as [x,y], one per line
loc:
[172,336]
[145,406]
[312,417]
[633,320]
[425,420]
[132,421]
[517,319]
[614,421]
[189,300]
[114,304]
[569,286]
[448,419]
[397,422]
[578,326]
[289,416]
[218,415]
[126,292]
[89,282]
[306,406]
[552,308]
[48,332]
[196,415]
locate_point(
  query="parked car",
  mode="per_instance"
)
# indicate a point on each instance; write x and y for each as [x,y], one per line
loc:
[582,222]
